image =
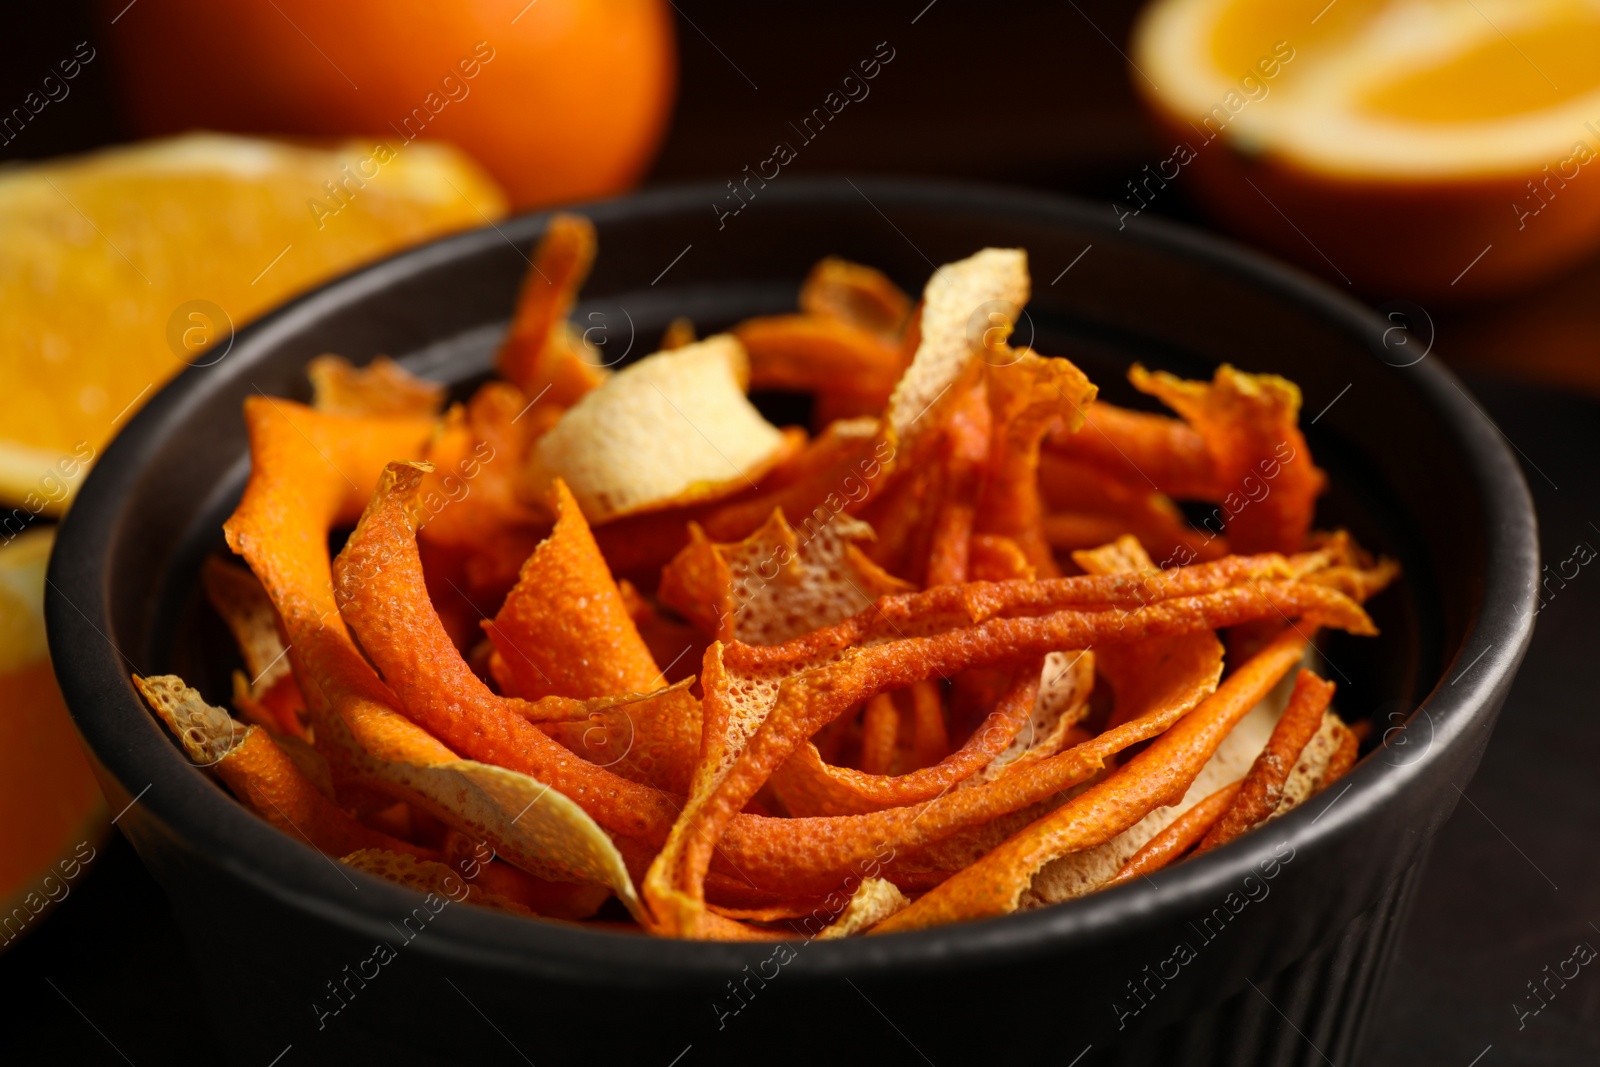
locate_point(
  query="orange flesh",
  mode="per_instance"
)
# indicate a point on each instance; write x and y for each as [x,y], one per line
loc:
[1525,71]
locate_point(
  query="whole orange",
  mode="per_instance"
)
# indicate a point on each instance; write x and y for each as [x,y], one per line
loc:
[558,99]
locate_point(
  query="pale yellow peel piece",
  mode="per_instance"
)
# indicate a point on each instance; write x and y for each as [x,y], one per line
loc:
[674,428]
[967,305]
[874,900]
[207,733]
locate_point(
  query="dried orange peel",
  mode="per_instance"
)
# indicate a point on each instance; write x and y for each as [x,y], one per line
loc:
[1239,447]
[1185,832]
[258,771]
[1029,395]
[539,355]
[816,353]
[857,295]
[1158,775]
[674,428]
[1261,791]
[924,666]
[382,387]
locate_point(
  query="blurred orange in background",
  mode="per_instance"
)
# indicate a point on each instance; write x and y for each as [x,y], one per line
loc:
[1414,148]
[559,100]
[51,810]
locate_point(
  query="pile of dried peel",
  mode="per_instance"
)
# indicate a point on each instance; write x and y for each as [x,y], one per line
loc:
[614,629]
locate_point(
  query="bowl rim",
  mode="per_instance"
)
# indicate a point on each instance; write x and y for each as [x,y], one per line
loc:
[127,742]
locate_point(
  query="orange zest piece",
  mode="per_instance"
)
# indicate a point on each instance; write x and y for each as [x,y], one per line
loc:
[860,296]
[259,773]
[1184,833]
[382,387]
[813,353]
[538,355]
[1028,396]
[564,630]
[810,787]
[1158,775]
[1262,789]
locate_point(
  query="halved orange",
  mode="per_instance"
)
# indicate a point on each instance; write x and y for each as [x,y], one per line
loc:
[120,268]
[1413,148]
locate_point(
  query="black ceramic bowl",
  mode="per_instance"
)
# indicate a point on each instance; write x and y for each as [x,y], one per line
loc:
[1287,958]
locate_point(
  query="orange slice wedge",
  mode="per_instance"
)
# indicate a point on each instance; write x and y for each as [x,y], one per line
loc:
[120,268]
[1414,148]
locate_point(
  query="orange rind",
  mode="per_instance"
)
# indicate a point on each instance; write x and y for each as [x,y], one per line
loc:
[673,428]
[503,668]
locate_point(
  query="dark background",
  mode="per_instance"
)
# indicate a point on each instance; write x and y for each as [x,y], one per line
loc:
[1031,94]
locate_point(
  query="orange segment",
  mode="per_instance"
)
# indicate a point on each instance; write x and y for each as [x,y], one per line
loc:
[171,241]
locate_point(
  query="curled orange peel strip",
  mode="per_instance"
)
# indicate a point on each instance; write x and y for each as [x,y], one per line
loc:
[814,353]
[1159,775]
[963,460]
[1028,395]
[273,698]
[1086,506]
[382,387]
[1184,833]
[1250,424]
[861,296]
[538,354]
[1262,788]
[880,729]
[565,630]
[1255,464]
[298,488]
[1181,669]
[930,734]
[259,772]
[1141,449]
[808,786]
